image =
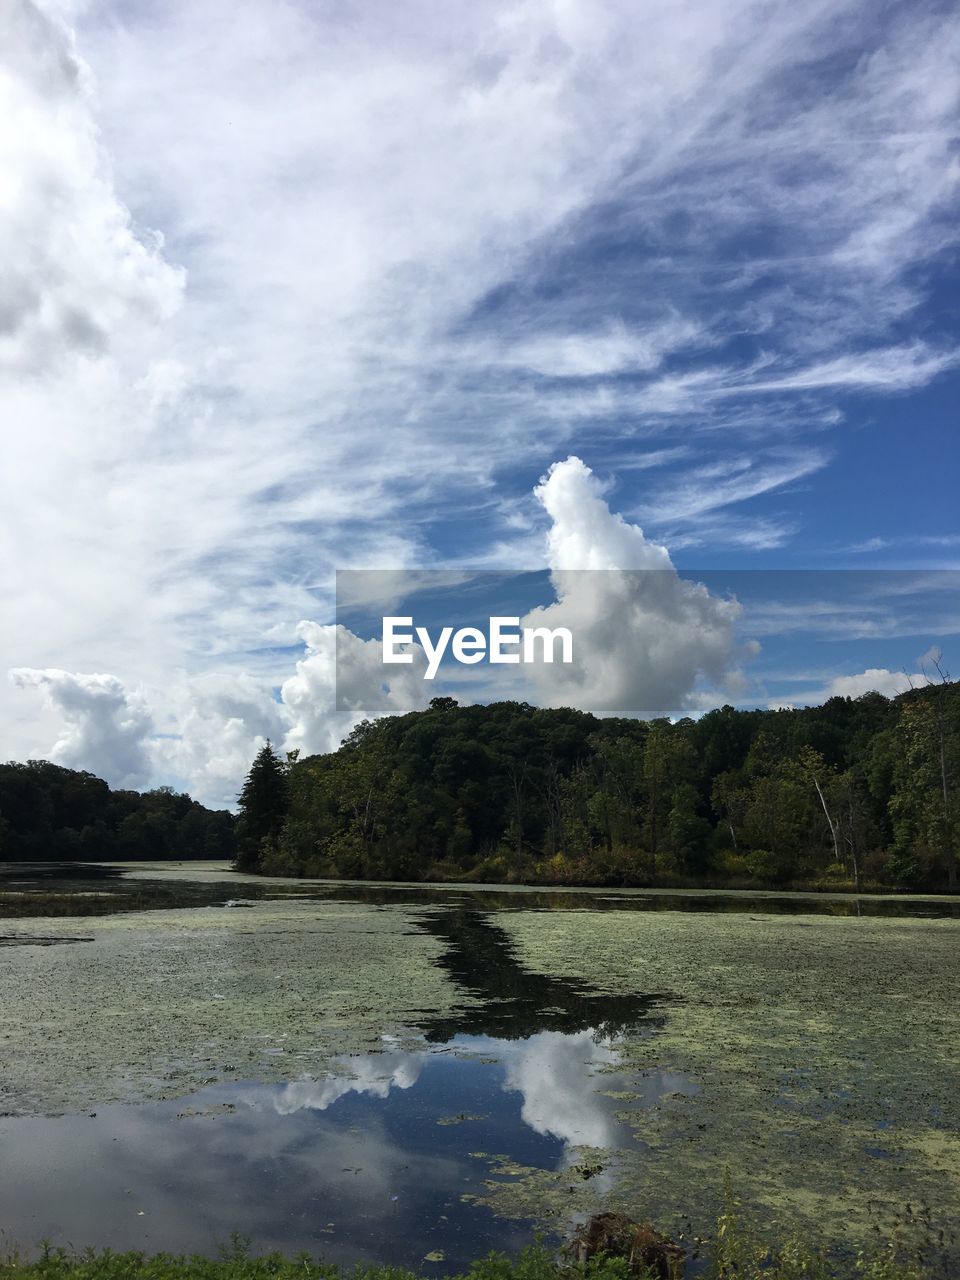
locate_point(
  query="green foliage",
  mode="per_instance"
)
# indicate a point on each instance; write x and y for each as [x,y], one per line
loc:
[737,1249]
[48,813]
[925,805]
[263,802]
[849,793]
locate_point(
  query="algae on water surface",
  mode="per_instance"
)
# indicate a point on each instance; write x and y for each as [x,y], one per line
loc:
[823,1051]
[827,1050]
[160,1003]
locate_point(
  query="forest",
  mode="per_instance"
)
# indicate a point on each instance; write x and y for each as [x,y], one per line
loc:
[52,814]
[855,793]
[861,793]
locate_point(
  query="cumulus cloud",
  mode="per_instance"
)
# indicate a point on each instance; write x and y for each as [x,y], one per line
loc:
[643,637]
[584,534]
[872,680]
[106,729]
[214,725]
[342,679]
[645,641]
[556,1075]
[200,733]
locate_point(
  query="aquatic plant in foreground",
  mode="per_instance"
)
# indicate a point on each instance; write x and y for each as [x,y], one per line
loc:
[735,1249]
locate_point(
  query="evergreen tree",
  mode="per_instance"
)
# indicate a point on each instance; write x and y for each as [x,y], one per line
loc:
[857,791]
[263,802]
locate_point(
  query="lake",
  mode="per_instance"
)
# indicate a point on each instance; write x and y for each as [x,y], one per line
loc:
[417,1074]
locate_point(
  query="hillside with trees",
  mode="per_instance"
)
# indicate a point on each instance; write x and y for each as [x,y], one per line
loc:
[52,814]
[856,792]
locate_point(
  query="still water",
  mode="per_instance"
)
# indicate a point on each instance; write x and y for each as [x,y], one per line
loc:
[378,1162]
[380,1157]
[400,1150]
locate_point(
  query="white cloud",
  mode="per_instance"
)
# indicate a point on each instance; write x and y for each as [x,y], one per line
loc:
[284,289]
[584,533]
[342,680]
[876,543]
[887,369]
[214,725]
[106,728]
[616,349]
[556,1074]
[872,680]
[204,731]
[560,1077]
[704,489]
[642,636]
[77,277]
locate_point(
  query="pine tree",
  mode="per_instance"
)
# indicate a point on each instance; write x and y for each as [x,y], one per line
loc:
[263,803]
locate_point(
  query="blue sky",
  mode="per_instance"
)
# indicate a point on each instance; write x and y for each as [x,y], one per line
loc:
[293,288]
[796,636]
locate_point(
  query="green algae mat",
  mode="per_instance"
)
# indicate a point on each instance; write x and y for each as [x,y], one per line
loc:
[525,1059]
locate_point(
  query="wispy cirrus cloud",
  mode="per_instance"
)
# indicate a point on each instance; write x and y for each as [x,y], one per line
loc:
[869,545]
[293,289]
[725,482]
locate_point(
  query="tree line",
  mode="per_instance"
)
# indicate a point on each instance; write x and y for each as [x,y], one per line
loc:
[52,814]
[856,792]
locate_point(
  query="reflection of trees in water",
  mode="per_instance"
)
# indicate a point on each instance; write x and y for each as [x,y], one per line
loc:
[734,902]
[60,889]
[84,889]
[517,1003]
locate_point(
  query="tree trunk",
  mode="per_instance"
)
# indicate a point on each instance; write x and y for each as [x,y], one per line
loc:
[853,843]
[830,822]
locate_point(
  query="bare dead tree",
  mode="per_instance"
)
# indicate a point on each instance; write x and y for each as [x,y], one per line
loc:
[810,761]
[517,773]
[850,834]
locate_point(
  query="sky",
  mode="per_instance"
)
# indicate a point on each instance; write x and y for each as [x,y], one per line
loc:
[292,288]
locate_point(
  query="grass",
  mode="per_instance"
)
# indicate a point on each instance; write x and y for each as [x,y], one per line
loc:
[736,1251]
